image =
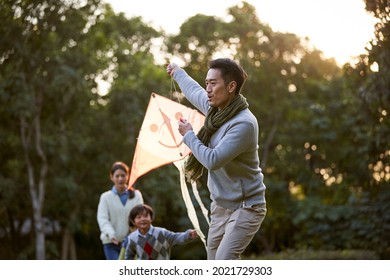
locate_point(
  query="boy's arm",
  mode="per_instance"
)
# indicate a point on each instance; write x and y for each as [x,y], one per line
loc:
[175,238]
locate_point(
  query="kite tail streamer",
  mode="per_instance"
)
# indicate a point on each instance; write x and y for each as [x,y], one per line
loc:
[199,200]
[187,200]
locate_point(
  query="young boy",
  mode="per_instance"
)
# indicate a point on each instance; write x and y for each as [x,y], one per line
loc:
[152,243]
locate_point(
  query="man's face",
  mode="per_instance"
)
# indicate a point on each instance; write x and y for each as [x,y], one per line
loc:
[219,94]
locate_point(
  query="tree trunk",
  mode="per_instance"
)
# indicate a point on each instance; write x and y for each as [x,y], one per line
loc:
[37,190]
[68,246]
[268,142]
[39,236]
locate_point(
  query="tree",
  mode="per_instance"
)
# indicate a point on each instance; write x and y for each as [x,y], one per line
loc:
[53,53]
[44,86]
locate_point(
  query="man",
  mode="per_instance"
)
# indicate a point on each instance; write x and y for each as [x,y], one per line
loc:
[227,145]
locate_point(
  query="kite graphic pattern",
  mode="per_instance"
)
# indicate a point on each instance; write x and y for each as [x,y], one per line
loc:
[159,142]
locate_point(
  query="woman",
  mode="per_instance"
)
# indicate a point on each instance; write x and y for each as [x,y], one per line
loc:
[114,209]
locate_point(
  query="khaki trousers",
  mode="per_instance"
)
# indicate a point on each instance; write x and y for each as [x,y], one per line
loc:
[231,231]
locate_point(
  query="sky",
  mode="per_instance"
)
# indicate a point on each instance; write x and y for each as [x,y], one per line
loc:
[339,28]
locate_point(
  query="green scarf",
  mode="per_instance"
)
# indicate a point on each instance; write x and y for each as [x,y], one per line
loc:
[215,118]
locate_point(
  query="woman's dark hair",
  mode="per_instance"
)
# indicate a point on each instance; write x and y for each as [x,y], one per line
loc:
[140,209]
[230,71]
[119,165]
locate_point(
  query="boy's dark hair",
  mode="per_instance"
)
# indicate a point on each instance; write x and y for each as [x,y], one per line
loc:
[140,209]
[230,71]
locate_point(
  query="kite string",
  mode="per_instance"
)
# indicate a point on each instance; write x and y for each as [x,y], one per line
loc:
[174,90]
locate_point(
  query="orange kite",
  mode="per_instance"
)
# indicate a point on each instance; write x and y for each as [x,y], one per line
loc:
[159,142]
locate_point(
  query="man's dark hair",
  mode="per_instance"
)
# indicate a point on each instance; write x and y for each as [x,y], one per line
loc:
[230,71]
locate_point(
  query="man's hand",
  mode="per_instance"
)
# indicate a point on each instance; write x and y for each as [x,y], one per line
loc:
[171,68]
[184,126]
